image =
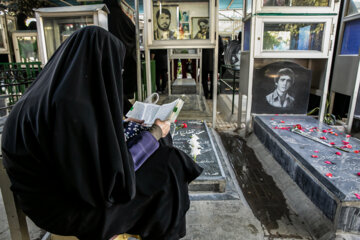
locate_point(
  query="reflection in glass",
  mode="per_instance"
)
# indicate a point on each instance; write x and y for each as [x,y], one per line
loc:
[57,30]
[247,34]
[28,48]
[351,39]
[248,6]
[354,7]
[2,36]
[296,3]
[180,20]
[293,36]
[11,25]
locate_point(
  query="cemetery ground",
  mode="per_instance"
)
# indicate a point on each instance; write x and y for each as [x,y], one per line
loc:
[260,200]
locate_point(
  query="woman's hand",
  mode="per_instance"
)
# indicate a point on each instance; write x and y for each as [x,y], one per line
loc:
[164,125]
[134,120]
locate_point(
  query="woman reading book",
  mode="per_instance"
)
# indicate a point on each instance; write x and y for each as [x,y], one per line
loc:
[65,152]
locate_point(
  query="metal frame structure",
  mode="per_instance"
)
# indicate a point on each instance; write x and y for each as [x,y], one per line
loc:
[17,34]
[258,15]
[212,42]
[97,11]
[346,66]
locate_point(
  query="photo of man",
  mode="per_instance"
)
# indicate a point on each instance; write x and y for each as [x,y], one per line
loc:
[280,98]
[200,28]
[162,23]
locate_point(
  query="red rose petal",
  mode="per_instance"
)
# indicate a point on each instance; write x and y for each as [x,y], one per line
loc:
[329,175]
[357,195]
[311,130]
[348,136]
[322,137]
[314,156]
[282,121]
[338,153]
[336,134]
[356,151]
[328,162]
[272,119]
[358,174]
[345,142]
[324,131]
[348,146]
[332,143]
[316,151]
[185,125]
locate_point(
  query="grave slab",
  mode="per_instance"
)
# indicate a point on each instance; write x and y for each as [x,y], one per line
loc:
[326,171]
[184,86]
[212,178]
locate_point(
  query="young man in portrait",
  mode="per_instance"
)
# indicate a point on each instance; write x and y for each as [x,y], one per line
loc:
[280,98]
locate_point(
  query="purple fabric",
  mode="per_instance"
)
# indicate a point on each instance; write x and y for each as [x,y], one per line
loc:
[141,147]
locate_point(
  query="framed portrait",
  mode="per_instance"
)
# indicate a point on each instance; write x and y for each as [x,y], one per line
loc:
[281,87]
[184,32]
[185,16]
[200,28]
[165,22]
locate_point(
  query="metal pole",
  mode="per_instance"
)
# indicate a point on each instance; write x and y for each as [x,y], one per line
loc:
[169,72]
[353,100]
[215,76]
[138,59]
[8,39]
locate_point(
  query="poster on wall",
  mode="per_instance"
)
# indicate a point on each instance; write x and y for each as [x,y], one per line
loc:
[165,22]
[200,28]
[281,87]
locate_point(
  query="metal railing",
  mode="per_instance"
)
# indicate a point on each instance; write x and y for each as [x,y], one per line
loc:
[15,78]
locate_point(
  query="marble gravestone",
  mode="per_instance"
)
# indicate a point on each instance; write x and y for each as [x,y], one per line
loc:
[184,86]
[324,167]
[266,89]
[213,177]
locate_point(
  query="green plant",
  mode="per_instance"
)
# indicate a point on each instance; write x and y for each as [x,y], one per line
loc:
[329,118]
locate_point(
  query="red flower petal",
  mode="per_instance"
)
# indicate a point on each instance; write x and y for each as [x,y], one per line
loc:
[185,125]
[329,175]
[175,121]
[345,142]
[282,121]
[314,156]
[357,195]
[336,134]
[338,153]
[272,119]
[358,174]
[332,143]
[311,130]
[348,146]
[322,137]
[316,151]
[328,162]
[356,151]
[324,131]
[348,136]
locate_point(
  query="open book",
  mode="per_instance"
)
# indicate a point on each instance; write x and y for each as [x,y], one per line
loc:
[150,112]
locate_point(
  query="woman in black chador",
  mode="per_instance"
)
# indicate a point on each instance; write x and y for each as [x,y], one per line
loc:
[71,169]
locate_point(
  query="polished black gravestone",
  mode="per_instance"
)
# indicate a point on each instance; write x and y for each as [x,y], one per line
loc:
[213,177]
[326,174]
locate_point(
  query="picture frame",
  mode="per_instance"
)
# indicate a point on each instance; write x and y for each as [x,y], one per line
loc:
[196,31]
[184,32]
[165,22]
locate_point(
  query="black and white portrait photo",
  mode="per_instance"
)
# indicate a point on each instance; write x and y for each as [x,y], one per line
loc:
[165,22]
[200,27]
[281,87]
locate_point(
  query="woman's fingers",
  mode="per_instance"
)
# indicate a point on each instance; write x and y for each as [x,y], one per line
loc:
[164,125]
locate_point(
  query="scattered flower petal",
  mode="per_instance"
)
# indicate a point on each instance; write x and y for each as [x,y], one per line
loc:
[298,126]
[324,131]
[338,153]
[282,121]
[332,143]
[311,130]
[328,162]
[348,146]
[175,121]
[357,195]
[314,156]
[336,134]
[345,142]
[184,125]
[358,174]
[316,151]
[356,151]
[322,137]
[348,136]
[329,175]
[272,119]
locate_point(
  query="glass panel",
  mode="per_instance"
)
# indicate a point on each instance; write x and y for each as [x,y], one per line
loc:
[181,20]
[354,7]
[11,24]
[248,6]
[2,35]
[293,36]
[57,30]
[296,3]
[185,51]
[28,48]
[247,34]
[351,38]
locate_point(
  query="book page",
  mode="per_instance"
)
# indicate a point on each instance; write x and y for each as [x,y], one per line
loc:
[136,111]
[166,110]
[150,113]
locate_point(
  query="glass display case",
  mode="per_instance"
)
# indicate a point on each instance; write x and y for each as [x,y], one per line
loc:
[25,46]
[56,24]
[170,21]
[11,26]
[288,37]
